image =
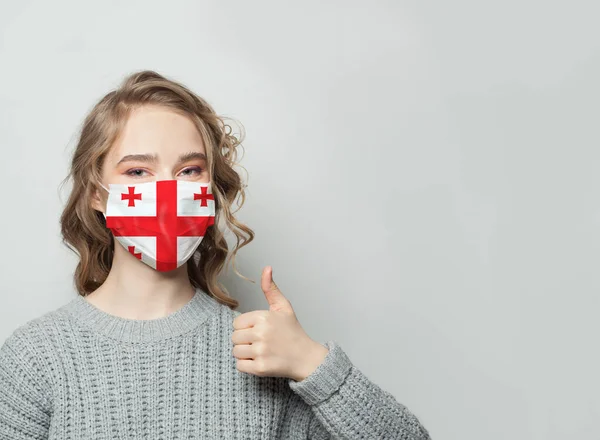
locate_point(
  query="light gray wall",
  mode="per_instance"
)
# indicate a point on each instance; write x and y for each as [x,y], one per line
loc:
[422,179]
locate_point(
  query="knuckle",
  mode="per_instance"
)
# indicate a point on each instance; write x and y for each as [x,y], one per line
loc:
[260,367]
[260,350]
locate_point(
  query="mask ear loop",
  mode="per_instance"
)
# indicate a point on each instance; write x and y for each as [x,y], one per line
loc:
[108,191]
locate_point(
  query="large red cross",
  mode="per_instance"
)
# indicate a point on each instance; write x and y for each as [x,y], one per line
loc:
[166,220]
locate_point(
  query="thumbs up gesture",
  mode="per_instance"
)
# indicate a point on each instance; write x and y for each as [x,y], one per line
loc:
[272,342]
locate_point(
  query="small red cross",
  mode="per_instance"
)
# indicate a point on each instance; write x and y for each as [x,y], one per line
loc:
[204,197]
[131,250]
[131,197]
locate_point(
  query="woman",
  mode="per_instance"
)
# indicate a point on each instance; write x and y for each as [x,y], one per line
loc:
[152,347]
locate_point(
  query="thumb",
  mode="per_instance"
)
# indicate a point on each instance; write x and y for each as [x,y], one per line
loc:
[277,302]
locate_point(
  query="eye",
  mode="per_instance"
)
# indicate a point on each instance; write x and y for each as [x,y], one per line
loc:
[192,171]
[135,172]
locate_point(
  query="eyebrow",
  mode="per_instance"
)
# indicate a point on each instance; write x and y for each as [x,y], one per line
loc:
[153,158]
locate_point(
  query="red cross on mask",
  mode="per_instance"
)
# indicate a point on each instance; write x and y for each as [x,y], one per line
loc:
[131,197]
[203,196]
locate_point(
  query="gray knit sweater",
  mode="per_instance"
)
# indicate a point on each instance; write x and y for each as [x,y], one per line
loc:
[80,373]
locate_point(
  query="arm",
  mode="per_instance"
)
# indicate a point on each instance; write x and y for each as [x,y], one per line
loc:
[24,405]
[347,405]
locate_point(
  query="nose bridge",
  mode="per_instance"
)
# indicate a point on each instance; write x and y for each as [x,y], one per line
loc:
[165,172]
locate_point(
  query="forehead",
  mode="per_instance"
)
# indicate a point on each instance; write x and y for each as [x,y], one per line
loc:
[157,130]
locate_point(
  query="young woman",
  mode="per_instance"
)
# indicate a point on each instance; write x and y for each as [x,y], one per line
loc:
[151,347]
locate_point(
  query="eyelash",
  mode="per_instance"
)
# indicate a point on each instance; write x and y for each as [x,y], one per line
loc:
[132,172]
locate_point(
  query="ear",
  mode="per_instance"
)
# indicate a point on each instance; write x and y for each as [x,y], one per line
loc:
[98,200]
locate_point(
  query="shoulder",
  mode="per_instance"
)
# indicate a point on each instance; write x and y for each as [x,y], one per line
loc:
[26,343]
[32,336]
[24,360]
[32,329]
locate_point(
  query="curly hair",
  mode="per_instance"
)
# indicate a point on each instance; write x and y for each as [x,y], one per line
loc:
[84,229]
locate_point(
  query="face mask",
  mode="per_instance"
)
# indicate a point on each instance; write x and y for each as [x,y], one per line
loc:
[161,223]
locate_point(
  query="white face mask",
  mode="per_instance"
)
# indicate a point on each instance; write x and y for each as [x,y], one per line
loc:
[162,222]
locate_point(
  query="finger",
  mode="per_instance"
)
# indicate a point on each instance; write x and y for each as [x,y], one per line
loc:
[243,351]
[276,299]
[249,319]
[245,365]
[266,281]
[244,336]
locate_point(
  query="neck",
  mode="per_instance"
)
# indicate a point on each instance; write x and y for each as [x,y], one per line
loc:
[136,291]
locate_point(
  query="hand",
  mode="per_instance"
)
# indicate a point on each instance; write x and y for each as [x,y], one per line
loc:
[272,342]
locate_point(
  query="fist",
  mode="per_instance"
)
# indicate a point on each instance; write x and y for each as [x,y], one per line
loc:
[272,342]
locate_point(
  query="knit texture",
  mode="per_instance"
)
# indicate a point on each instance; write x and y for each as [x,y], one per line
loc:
[80,373]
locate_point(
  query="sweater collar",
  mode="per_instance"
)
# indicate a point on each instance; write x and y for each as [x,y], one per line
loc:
[196,311]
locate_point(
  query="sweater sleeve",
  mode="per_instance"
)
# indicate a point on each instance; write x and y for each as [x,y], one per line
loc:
[347,405]
[24,404]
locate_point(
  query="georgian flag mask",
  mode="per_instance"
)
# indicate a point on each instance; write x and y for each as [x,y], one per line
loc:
[160,223]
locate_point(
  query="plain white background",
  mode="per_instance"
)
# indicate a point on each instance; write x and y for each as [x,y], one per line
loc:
[422,177]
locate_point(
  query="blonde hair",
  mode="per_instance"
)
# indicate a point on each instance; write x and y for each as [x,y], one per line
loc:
[84,229]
